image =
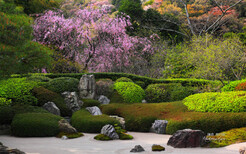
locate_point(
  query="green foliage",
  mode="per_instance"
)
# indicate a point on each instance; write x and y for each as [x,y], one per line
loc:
[150,2]
[123,79]
[18,90]
[157,148]
[70,136]
[5,102]
[229,137]
[139,124]
[90,102]
[140,83]
[61,84]
[37,6]
[208,123]
[102,137]
[105,87]
[38,78]
[116,98]
[232,85]
[83,121]
[44,95]
[167,92]
[131,92]
[35,125]
[217,102]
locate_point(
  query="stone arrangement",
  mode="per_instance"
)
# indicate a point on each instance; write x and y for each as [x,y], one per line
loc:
[109,131]
[52,108]
[87,86]
[187,138]
[159,126]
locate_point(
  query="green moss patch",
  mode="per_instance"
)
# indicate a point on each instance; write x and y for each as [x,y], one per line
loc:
[70,136]
[102,137]
[90,102]
[158,148]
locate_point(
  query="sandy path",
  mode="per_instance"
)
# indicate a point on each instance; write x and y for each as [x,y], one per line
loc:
[86,144]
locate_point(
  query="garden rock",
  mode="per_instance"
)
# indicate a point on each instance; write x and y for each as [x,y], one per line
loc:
[52,108]
[103,99]
[94,110]
[65,127]
[144,101]
[120,119]
[156,147]
[71,100]
[87,86]
[64,137]
[242,150]
[159,126]
[6,150]
[187,138]
[137,148]
[109,131]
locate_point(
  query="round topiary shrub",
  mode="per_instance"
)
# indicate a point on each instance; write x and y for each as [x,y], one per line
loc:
[131,92]
[35,125]
[83,121]
[90,102]
[44,95]
[141,84]
[234,101]
[59,85]
[123,79]
[105,87]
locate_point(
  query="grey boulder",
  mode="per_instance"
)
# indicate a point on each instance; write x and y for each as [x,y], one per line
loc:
[137,148]
[109,131]
[87,86]
[94,110]
[159,126]
[65,127]
[52,108]
[103,99]
[72,101]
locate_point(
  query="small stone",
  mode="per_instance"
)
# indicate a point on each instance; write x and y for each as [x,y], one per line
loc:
[109,131]
[156,147]
[94,110]
[64,137]
[137,148]
[144,101]
[52,108]
[242,150]
[103,99]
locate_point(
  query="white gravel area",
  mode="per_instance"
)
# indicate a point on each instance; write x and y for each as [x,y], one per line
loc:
[88,145]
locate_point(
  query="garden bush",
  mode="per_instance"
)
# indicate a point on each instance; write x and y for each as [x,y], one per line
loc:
[156,93]
[139,124]
[123,79]
[209,123]
[38,78]
[131,92]
[105,87]
[90,102]
[232,85]
[141,84]
[35,125]
[18,90]
[83,121]
[44,95]
[234,101]
[59,85]
[6,115]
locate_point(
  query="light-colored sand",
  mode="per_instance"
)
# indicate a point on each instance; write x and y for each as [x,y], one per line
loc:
[86,144]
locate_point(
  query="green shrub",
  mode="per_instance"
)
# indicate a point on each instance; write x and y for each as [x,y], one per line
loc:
[38,78]
[123,79]
[35,125]
[19,109]
[59,85]
[141,84]
[18,90]
[83,121]
[5,102]
[102,137]
[44,95]
[131,92]
[139,124]
[156,93]
[209,123]
[234,101]
[105,87]
[90,102]
[232,85]
[6,114]
[70,136]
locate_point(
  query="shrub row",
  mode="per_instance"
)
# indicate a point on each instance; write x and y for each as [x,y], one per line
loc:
[83,121]
[146,80]
[234,101]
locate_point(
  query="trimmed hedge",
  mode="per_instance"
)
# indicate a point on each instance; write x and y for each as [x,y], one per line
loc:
[44,95]
[234,101]
[18,90]
[83,121]
[38,78]
[232,85]
[139,124]
[146,80]
[156,93]
[90,103]
[131,92]
[61,84]
[35,125]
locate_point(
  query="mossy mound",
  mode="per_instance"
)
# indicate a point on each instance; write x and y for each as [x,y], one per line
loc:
[102,137]
[35,125]
[90,102]
[70,136]
[124,136]
[158,148]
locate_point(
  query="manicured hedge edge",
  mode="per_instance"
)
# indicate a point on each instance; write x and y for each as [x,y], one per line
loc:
[146,80]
